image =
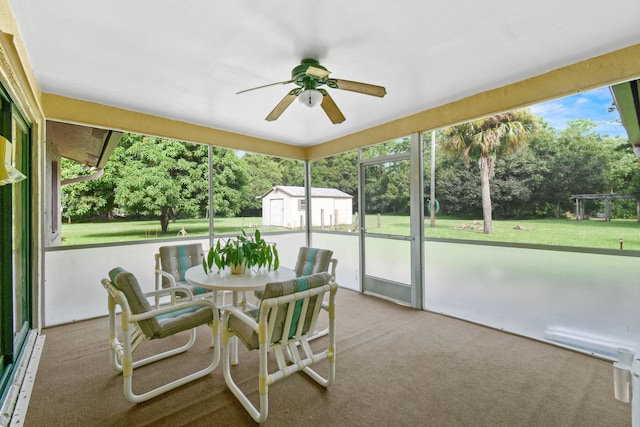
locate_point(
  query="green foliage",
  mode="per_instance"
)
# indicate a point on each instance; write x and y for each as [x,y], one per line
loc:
[162,178]
[539,179]
[86,200]
[267,172]
[490,137]
[229,183]
[149,177]
[579,161]
[157,178]
[339,171]
[396,146]
[252,251]
[485,141]
[387,187]
[458,188]
[513,188]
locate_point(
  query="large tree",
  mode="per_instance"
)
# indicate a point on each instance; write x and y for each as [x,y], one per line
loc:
[516,184]
[485,141]
[457,188]
[157,178]
[230,179]
[577,161]
[161,178]
[167,179]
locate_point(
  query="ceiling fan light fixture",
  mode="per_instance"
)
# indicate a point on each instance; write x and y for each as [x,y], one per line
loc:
[310,97]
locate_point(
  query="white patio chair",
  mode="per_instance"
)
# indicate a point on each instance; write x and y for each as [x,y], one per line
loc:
[312,261]
[172,262]
[287,314]
[139,322]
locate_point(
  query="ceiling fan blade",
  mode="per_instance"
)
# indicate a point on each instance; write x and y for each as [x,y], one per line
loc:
[317,72]
[270,84]
[282,105]
[365,88]
[330,107]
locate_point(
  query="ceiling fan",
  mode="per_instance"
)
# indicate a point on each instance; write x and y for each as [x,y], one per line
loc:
[310,76]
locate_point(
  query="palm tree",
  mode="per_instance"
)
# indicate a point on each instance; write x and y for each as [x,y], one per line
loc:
[485,141]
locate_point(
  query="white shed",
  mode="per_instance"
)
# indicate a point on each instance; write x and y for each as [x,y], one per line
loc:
[284,206]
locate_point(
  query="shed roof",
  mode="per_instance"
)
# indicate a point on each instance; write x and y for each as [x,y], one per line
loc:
[315,192]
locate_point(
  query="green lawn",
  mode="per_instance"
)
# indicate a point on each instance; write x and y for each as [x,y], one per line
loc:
[566,232]
[126,231]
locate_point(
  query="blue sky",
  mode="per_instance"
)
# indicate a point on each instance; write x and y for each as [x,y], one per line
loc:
[591,105]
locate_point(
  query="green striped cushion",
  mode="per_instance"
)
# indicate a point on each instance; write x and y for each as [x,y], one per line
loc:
[114,272]
[277,289]
[177,312]
[182,320]
[162,325]
[176,260]
[312,260]
[128,284]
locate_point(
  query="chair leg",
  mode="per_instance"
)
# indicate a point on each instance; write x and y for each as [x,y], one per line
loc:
[325,331]
[128,367]
[313,374]
[318,334]
[259,415]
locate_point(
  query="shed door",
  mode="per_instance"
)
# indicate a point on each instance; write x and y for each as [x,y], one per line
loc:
[277,212]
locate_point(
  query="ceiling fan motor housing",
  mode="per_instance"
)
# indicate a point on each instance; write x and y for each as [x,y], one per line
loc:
[304,79]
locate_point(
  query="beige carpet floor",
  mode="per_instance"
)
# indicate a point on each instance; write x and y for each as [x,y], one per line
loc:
[395,367]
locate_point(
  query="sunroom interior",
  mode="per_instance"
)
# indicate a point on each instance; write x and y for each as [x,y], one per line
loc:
[74,77]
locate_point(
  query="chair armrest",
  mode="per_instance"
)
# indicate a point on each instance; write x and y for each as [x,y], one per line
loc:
[240,315]
[333,263]
[172,280]
[171,308]
[120,299]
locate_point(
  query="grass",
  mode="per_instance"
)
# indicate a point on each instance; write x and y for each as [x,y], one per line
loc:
[565,232]
[127,231]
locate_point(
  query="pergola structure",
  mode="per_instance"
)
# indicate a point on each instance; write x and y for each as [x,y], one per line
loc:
[580,198]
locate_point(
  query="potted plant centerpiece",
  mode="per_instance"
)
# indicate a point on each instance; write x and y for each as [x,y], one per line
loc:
[242,252]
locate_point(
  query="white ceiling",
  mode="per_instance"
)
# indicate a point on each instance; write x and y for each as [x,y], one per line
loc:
[186,60]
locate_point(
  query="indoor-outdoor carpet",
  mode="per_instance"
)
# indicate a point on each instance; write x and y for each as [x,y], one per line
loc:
[395,366]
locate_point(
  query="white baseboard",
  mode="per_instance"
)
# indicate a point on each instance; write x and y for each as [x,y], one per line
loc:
[23,383]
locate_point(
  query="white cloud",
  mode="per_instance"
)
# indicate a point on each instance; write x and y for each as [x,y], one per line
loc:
[582,100]
[592,105]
